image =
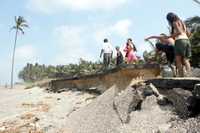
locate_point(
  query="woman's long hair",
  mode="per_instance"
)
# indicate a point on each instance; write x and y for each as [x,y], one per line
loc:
[134,48]
[171,18]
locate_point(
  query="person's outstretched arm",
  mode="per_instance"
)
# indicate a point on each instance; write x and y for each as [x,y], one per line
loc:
[153,37]
[161,38]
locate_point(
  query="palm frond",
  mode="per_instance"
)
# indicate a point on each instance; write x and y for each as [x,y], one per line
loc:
[20,29]
[22,20]
[20,24]
[197,1]
[14,27]
[25,25]
[15,19]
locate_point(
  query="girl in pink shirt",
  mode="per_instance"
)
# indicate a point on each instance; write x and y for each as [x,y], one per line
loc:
[130,50]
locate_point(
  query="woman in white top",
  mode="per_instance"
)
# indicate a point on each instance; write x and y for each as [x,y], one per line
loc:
[182,44]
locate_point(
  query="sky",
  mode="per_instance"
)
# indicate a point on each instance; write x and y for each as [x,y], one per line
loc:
[62,31]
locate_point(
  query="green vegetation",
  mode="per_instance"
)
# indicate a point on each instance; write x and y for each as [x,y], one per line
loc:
[36,72]
[193,24]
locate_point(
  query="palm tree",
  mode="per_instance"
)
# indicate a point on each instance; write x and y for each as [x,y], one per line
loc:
[197,1]
[20,23]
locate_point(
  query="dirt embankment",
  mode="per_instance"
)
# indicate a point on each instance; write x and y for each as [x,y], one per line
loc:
[121,77]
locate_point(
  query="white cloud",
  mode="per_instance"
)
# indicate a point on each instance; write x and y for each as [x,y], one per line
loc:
[121,28]
[75,42]
[49,6]
[26,53]
[5,70]
[72,44]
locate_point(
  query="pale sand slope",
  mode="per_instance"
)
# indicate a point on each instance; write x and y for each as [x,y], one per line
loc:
[101,117]
[35,109]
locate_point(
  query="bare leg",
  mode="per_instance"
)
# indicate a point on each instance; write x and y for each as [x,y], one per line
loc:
[179,66]
[173,69]
[187,65]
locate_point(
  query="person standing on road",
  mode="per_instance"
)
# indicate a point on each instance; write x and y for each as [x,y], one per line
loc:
[107,52]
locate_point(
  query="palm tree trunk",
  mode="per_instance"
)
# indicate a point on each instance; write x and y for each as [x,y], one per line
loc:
[13,59]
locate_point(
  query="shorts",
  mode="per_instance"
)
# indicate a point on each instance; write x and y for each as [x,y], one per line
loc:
[169,51]
[183,48]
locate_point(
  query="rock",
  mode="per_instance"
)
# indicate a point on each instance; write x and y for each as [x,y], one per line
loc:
[185,99]
[170,83]
[163,101]
[194,106]
[191,125]
[97,117]
[58,99]
[106,114]
[196,72]
[197,91]
[150,118]
[128,101]
[154,89]
[147,92]
[137,108]
[180,99]
[149,103]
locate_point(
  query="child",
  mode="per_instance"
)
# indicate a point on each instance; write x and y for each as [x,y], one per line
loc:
[119,59]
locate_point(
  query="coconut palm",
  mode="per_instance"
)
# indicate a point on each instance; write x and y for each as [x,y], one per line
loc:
[20,24]
[197,1]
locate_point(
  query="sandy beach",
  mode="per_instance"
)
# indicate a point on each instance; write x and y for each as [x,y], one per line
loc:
[35,110]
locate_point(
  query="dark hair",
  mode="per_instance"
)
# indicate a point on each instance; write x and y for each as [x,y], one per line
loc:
[159,46]
[172,17]
[129,39]
[105,40]
[117,47]
[134,48]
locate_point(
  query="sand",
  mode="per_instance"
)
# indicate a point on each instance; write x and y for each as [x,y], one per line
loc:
[35,110]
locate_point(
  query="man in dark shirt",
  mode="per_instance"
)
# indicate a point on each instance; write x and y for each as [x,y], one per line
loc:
[119,59]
